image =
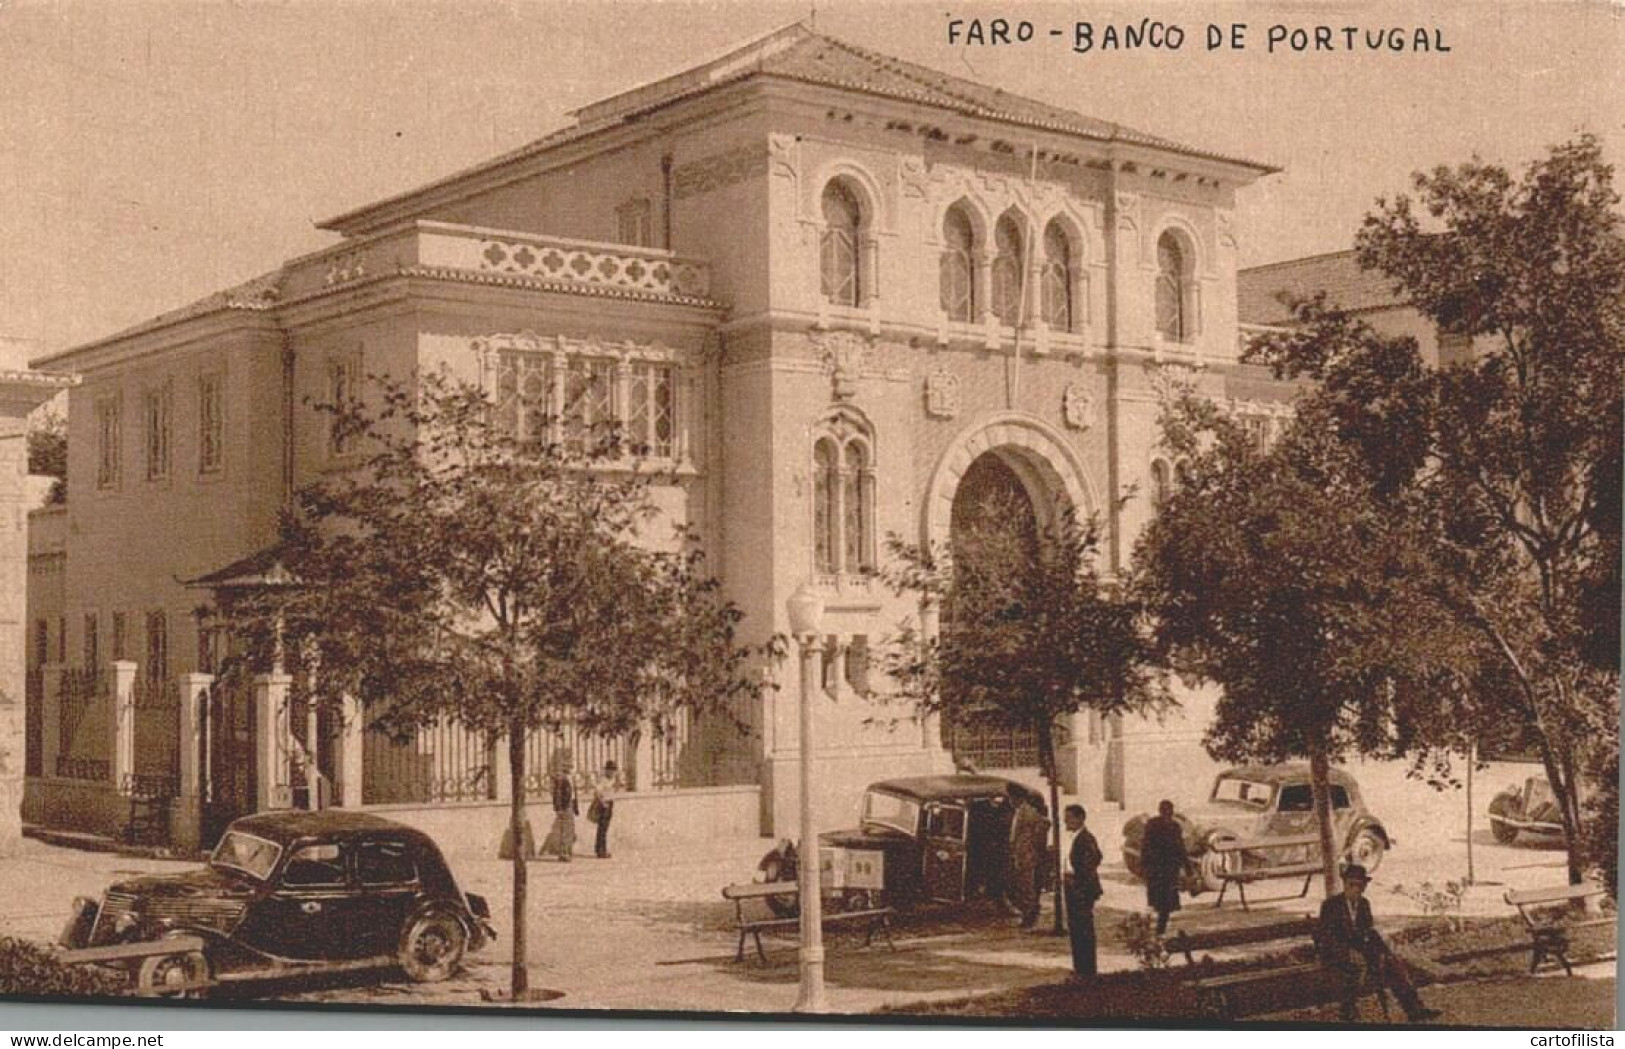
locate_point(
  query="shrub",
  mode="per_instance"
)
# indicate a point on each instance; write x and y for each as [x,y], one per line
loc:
[1139,934]
[1441,901]
[27,968]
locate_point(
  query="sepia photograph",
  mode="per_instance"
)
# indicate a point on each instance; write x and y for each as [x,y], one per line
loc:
[1120,501]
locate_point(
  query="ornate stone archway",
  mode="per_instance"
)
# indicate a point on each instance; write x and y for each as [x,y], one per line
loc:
[1037,452]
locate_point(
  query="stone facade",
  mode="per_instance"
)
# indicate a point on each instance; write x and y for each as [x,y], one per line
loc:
[679,237]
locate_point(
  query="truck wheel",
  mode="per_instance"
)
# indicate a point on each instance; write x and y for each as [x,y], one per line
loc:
[173,975]
[432,946]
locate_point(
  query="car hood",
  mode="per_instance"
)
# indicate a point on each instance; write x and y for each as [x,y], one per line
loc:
[201,899]
[1199,820]
[869,836]
[205,882]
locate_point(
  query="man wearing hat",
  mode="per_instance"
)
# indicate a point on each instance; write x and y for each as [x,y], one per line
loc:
[1349,944]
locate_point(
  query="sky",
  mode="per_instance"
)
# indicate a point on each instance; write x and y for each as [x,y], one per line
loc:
[152,152]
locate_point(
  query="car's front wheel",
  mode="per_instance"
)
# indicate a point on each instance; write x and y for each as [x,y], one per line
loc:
[1367,850]
[184,975]
[432,946]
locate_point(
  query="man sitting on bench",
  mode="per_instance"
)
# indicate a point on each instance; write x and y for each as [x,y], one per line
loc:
[1346,931]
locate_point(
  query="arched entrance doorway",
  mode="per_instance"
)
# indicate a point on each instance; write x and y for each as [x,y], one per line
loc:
[996,524]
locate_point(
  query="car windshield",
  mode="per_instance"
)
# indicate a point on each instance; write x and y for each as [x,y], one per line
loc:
[244,852]
[1244,791]
[891,811]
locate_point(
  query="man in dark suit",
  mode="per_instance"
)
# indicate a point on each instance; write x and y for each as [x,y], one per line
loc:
[1162,857]
[1349,945]
[1082,890]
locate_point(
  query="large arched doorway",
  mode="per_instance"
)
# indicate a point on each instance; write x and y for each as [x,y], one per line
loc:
[995,521]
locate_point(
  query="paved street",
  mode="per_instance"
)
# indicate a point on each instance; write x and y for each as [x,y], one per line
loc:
[650,930]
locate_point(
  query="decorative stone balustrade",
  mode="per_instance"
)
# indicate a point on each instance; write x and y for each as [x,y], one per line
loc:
[439,249]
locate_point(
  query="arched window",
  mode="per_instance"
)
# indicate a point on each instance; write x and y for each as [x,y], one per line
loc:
[957,279]
[1162,481]
[1176,312]
[1056,279]
[843,499]
[826,485]
[839,251]
[1008,267]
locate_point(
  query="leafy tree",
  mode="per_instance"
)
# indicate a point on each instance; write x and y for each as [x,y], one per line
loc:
[1288,576]
[506,582]
[1516,469]
[1031,631]
[48,451]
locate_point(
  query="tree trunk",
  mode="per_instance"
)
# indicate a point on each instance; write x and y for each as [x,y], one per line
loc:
[1565,791]
[1320,769]
[516,834]
[1046,755]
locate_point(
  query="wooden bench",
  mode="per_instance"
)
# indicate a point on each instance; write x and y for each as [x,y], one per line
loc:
[1241,877]
[875,919]
[1230,996]
[1549,936]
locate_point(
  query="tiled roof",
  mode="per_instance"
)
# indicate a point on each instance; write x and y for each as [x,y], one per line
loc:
[798,53]
[1346,285]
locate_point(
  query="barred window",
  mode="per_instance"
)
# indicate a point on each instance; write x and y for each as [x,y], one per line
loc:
[839,257]
[825,475]
[92,645]
[211,429]
[651,424]
[524,394]
[155,414]
[109,432]
[343,388]
[157,667]
[1008,270]
[1176,290]
[843,502]
[1056,278]
[957,278]
[634,223]
[120,649]
[589,400]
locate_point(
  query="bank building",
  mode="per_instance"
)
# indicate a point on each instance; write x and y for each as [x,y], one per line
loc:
[836,293]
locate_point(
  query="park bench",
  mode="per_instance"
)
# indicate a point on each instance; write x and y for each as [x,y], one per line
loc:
[1242,876]
[1263,990]
[755,894]
[1548,933]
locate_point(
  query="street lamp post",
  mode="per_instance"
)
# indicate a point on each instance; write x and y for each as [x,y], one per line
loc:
[806,610]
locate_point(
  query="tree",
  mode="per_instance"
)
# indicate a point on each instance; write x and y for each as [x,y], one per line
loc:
[1031,632]
[503,581]
[1288,576]
[1517,467]
[48,451]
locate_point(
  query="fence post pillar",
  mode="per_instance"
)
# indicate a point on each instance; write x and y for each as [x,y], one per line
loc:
[121,708]
[186,822]
[352,725]
[273,789]
[50,718]
[643,757]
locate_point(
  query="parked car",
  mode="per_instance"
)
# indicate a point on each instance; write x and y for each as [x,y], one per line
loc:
[1254,802]
[286,893]
[918,839]
[1530,809]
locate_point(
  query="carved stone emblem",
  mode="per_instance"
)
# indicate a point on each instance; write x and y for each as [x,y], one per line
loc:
[845,356]
[1171,381]
[942,394]
[1077,406]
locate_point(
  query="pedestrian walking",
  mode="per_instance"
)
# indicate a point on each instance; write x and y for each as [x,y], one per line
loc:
[1349,945]
[1082,890]
[605,785]
[1028,829]
[561,839]
[1162,857]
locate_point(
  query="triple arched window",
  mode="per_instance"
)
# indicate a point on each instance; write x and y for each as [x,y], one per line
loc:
[1011,273]
[840,253]
[843,500]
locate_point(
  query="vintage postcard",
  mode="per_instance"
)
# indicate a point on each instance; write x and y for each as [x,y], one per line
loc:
[1123,497]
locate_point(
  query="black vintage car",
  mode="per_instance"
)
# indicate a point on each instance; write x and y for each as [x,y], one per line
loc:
[943,838]
[286,893]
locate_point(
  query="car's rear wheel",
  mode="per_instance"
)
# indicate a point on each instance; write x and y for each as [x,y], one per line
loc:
[1367,850]
[1213,865]
[1504,833]
[184,975]
[432,946]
